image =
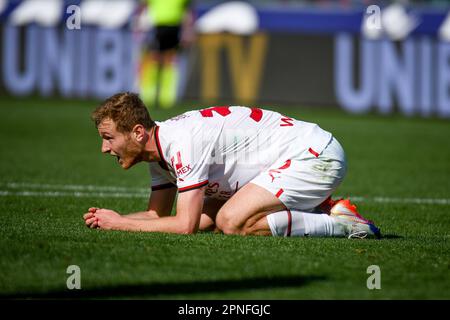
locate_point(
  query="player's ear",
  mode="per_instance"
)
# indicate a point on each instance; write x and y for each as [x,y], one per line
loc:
[138,132]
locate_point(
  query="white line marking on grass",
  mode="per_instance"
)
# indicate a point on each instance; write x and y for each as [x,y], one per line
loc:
[403,200]
[56,194]
[22,189]
[25,185]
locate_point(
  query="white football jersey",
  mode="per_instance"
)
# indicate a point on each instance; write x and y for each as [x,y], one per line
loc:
[224,148]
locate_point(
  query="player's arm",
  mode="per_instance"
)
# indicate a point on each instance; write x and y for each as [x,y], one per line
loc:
[159,205]
[186,220]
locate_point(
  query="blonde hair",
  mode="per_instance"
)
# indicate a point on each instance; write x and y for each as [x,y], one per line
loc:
[126,109]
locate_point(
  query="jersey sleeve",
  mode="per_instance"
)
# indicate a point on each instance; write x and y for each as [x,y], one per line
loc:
[159,180]
[191,164]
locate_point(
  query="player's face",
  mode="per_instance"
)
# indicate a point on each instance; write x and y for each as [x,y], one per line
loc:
[118,144]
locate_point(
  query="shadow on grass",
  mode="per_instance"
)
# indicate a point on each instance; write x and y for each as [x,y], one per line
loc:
[391,236]
[158,289]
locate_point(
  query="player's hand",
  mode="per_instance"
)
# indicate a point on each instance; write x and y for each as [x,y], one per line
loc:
[90,219]
[107,219]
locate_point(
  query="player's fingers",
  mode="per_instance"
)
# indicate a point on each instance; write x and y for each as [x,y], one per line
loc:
[94,224]
[88,215]
[93,209]
[90,221]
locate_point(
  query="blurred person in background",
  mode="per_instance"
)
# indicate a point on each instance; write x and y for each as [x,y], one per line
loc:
[172,22]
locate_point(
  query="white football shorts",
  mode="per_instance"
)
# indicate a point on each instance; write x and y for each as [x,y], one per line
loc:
[305,181]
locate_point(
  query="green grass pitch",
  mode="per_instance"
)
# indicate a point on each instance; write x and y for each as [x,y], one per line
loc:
[399,174]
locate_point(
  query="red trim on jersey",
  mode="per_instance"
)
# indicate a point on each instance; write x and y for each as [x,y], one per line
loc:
[256,114]
[194,186]
[313,152]
[289,226]
[163,186]
[222,110]
[286,165]
[179,164]
[286,122]
[162,163]
[279,193]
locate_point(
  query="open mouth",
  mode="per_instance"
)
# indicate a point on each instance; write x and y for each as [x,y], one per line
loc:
[118,159]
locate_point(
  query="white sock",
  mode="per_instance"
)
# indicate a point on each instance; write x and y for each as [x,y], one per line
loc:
[298,224]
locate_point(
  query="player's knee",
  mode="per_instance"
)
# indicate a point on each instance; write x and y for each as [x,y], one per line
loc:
[239,230]
[206,225]
[228,227]
[226,223]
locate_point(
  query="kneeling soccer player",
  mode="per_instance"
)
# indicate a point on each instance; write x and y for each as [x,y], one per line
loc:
[237,170]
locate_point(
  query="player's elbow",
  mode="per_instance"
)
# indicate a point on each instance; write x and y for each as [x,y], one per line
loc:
[188,230]
[186,226]
[153,214]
